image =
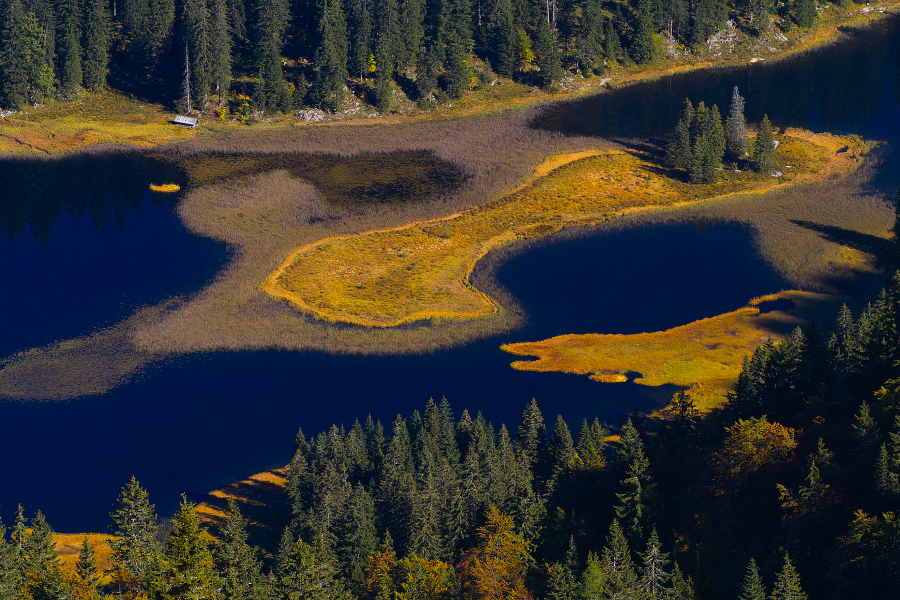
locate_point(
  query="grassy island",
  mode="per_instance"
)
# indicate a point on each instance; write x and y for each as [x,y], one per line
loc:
[421,270]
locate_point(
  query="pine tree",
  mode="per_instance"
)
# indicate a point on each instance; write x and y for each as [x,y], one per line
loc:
[135,551]
[68,46]
[189,571]
[331,58]
[219,48]
[44,579]
[635,485]
[359,30]
[643,50]
[787,585]
[10,573]
[655,575]
[679,150]
[561,583]
[306,572]
[95,44]
[806,13]
[531,437]
[86,569]
[736,128]
[753,588]
[26,65]
[764,147]
[546,55]
[562,452]
[358,540]
[237,562]
[617,570]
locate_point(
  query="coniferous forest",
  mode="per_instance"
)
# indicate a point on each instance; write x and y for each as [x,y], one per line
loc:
[278,55]
[790,490]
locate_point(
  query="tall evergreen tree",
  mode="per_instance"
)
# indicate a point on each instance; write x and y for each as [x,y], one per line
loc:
[219,48]
[135,551]
[655,576]
[736,127]
[198,33]
[189,570]
[752,588]
[806,13]
[787,585]
[26,62]
[635,484]
[237,562]
[68,44]
[764,147]
[87,571]
[95,43]
[331,57]
[44,579]
[359,30]
[546,56]
[643,50]
[679,150]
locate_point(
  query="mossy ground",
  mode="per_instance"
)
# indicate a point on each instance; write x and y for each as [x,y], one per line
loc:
[421,271]
[104,118]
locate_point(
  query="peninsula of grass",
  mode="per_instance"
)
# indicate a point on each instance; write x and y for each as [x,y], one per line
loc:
[705,356]
[421,271]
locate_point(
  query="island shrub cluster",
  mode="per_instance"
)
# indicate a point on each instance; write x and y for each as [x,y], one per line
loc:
[245,56]
[790,488]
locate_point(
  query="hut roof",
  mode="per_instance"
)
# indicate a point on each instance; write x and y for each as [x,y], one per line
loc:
[186,121]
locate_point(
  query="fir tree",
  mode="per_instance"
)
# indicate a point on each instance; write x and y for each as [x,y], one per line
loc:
[635,485]
[44,579]
[562,451]
[306,572]
[806,13]
[617,570]
[26,65]
[655,575]
[135,552]
[86,569]
[331,58]
[787,585]
[198,33]
[736,128]
[359,29]
[764,148]
[358,540]
[643,50]
[753,588]
[219,49]
[532,435]
[678,152]
[236,561]
[10,572]
[68,45]
[546,53]
[95,44]
[189,570]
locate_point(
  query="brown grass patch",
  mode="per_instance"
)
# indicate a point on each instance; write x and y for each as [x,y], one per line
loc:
[69,545]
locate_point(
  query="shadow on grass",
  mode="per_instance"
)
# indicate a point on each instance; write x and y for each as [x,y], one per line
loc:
[864,242]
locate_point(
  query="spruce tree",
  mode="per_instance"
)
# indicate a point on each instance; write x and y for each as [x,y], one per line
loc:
[562,452]
[87,571]
[643,50]
[546,56]
[44,579]
[10,573]
[68,45]
[189,570]
[306,572]
[531,438]
[764,147]
[806,13]
[359,36]
[219,49]
[617,569]
[26,61]
[95,43]
[679,150]
[787,585]
[358,540]
[752,588]
[237,562]
[135,551]
[635,485]
[331,58]
[655,574]
[736,128]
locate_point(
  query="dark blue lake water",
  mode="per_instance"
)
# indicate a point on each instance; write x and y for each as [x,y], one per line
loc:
[198,422]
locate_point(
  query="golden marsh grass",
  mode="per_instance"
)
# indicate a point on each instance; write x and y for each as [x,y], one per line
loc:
[421,271]
[165,188]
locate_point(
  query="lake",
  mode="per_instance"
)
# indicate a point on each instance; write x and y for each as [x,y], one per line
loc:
[197,422]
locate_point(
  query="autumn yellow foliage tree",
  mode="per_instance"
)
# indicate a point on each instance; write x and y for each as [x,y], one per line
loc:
[495,569]
[754,443]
